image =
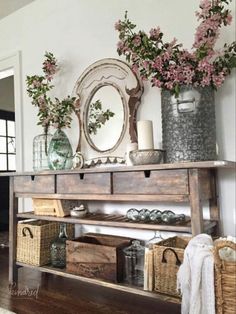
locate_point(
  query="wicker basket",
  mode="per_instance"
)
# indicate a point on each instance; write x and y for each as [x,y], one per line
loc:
[168,256]
[34,239]
[225,280]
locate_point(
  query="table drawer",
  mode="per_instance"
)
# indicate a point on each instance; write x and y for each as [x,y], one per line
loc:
[94,183]
[159,182]
[34,184]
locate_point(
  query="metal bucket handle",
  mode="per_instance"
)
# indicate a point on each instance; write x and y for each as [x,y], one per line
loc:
[186,109]
[178,262]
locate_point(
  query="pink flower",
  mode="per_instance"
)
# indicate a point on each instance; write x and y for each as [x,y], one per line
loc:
[207,32]
[169,85]
[155,33]
[156,82]
[158,63]
[137,41]
[218,79]
[188,74]
[41,101]
[135,68]
[36,83]
[168,64]
[205,6]
[49,68]
[146,65]
[118,26]
[166,56]
[121,47]
[172,43]
[229,19]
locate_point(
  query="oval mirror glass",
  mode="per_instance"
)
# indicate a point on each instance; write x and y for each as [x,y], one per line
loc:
[104,119]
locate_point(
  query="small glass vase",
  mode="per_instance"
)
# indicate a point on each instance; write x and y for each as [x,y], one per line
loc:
[58,248]
[40,151]
[60,154]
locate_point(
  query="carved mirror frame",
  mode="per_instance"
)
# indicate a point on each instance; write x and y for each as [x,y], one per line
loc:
[108,72]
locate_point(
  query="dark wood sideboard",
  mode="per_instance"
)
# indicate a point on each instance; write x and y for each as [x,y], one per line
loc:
[192,182]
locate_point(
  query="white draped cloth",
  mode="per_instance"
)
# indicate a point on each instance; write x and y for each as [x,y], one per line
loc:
[195,278]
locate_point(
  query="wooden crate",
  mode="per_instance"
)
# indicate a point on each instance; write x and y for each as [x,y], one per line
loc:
[49,207]
[97,256]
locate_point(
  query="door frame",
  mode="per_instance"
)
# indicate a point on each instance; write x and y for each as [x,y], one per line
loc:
[13,61]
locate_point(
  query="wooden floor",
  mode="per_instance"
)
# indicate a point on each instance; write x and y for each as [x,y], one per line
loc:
[67,296]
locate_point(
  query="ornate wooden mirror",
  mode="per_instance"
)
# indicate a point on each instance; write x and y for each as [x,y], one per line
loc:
[108,94]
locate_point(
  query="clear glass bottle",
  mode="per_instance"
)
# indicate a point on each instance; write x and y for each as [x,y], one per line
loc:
[157,238]
[155,216]
[40,151]
[168,217]
[144,215]
[134,263]
[133,214]
[58,248]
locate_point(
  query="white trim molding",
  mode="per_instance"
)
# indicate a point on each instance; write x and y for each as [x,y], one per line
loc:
[13,62]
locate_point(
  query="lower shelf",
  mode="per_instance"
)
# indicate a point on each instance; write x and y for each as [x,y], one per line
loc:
[121,287]
[119,221]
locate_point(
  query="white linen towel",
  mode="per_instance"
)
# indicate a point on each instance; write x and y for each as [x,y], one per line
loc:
[195,278]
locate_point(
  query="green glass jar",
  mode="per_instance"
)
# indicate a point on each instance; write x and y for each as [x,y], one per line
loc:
[58,248]
[60,154]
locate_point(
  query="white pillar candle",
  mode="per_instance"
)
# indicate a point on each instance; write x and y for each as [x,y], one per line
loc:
[145,134]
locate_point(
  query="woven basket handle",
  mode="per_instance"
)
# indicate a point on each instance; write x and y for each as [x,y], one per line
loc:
[29,232]
[220,245]
[178,262]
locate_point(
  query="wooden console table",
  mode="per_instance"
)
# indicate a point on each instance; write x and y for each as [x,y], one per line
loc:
[191,182]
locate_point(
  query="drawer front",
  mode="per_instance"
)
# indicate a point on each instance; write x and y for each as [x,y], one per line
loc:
[94,183]
[161,182]
[34,184]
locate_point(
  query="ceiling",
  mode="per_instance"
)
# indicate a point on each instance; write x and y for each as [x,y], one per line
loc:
[9,6]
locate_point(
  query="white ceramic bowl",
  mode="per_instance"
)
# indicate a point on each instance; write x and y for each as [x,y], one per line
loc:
[78,213]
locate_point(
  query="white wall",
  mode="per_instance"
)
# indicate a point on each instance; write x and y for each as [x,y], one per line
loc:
[80,32]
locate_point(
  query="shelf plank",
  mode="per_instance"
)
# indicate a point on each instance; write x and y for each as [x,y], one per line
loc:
[112,197]
[179,165]
[121,287]
[117,222]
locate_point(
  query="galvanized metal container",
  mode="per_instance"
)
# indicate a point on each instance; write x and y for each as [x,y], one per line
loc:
[188,124]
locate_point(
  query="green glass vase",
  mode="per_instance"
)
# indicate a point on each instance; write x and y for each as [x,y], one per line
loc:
[60,154]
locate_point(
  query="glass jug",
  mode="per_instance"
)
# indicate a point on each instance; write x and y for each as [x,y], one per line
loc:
[134,263]
[157,238]
[58,248]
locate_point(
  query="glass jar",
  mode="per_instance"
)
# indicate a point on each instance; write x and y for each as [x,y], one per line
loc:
[40,151]
[133,214]
[168,217]
[60,154]
[155,216]
[134,263]
[58,248]
[144,215]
